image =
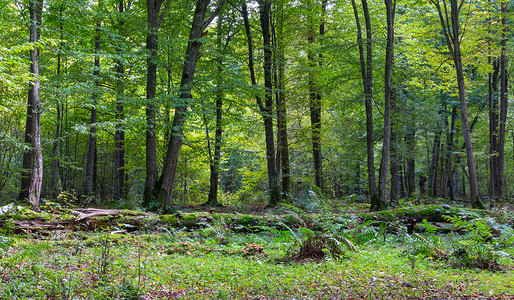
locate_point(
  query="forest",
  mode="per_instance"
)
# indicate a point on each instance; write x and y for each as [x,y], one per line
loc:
[166,149]
[250,103]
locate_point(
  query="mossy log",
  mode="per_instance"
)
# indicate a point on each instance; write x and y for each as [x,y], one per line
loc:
[24,221]
[431,213]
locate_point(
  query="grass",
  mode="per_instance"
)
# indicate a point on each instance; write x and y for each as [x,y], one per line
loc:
[188,265]
[219,260]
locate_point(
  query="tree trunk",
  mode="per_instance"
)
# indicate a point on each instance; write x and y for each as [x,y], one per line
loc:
[119,136]
[154,21]
[214,160]
[493,130]
[265,109]
[315,102]
[410,141]
[90,176]
[281,106]
[503,107]
[432,174]
[394,150]
[366,63]
[446,184]
[452,36]
[273,178]
[32,175]
[389,57]
[167,179]
[58,132]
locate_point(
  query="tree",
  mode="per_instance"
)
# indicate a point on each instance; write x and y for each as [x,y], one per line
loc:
[154,18]
[198,26]
[91,166]
[366,63]
[266,108]
[215,158]
[503,105]
[449,18]
[32,176]
[282,138]
[315,98]
[389,58]
[119,136]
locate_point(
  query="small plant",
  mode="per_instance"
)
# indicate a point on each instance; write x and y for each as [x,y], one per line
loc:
[66,198]
[362,233]
[319,246]
[5,244]
[252,249]
[480,248]
[104,257]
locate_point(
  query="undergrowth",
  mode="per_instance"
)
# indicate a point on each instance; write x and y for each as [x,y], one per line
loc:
[330,257]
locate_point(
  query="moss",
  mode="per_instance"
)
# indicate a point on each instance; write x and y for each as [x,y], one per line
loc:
[423,212]
[68,217]
[112,239]
[103,218]
[130,212]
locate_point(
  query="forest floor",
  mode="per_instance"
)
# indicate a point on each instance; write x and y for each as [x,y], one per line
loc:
[412,252]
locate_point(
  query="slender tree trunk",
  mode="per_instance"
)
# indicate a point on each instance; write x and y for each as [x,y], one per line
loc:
[119,136]
[389,56]
[90,176]
[394,150]
[452,36]
[214,160]
[503,107]
[165,191]
[273,177]
[315,102]
[473,182]
[281,106]
[493,130]
[446,184]
[410,141]
[265,109]
[432,174]
[56,144]
[154,20]
[366,63]
[32,175]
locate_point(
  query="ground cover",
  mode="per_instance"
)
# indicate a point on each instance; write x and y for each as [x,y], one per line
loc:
[262,256]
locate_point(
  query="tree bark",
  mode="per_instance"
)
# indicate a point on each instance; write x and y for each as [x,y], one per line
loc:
[447,174]
[281,106]
[154,20]
[273,177]
[32,175]
[452,36]
[503,107]
[366,63]
[315,102]
[432,174]
[265,109]
[389,57]
[214,160]
[493,130]
[394,150]
[167,179]
[90,176]
[58,127]
[119,136]
[410,141]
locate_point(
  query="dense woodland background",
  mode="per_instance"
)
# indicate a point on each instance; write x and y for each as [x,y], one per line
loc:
[158,103]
